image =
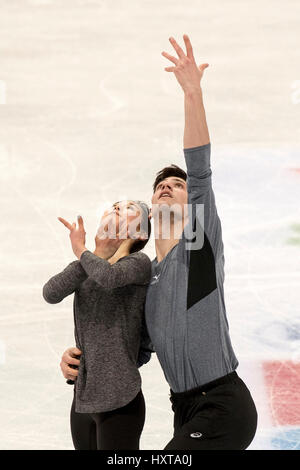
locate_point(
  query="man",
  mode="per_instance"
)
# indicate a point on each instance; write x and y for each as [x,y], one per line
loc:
[185,310]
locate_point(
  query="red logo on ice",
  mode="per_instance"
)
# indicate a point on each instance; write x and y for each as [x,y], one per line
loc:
[283,385]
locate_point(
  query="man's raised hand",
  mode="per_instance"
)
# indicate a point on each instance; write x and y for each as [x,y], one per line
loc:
[186,71]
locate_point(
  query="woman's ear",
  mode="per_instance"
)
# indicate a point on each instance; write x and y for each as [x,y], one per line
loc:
[150,213]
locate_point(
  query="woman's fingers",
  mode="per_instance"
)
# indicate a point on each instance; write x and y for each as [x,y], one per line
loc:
[66,223]
[123,230]
[73,226]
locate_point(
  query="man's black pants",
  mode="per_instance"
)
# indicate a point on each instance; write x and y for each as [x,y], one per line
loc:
[220,415]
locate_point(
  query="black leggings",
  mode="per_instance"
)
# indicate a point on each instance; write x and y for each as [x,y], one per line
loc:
[119,429]
[220,415]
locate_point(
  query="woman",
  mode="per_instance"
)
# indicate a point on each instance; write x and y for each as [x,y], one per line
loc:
[109,287]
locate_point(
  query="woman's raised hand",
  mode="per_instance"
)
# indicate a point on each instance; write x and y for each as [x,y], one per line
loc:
[77,235]
[107,239]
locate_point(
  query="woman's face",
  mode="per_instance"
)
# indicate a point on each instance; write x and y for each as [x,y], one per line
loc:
[122,214]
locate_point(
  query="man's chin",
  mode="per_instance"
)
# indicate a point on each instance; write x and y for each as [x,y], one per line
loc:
[166,202]
[167,212]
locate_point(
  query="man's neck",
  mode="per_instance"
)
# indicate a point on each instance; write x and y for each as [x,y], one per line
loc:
[163,246]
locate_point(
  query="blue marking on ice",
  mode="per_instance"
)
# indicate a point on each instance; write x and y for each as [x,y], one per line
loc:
[287,440]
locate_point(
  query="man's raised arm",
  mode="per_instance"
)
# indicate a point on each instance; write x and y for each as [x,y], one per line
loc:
[197,152]
[195,129]
[189,76]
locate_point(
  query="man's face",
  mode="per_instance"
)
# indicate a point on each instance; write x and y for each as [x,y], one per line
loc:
[172,190]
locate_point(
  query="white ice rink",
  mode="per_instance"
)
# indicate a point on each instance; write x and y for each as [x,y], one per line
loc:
[88,116]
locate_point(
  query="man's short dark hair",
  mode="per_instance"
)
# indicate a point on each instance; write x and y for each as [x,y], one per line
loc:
[172,170]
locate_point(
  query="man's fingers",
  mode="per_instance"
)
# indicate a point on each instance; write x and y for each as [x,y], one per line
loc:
[69,363]
[65,222]
[170,57]
[202,67]
[80,222]
[72,369]
[70,356]
[177,48]
[188,46]
[70,377]
[70,360]
[74,351]
[70,373]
